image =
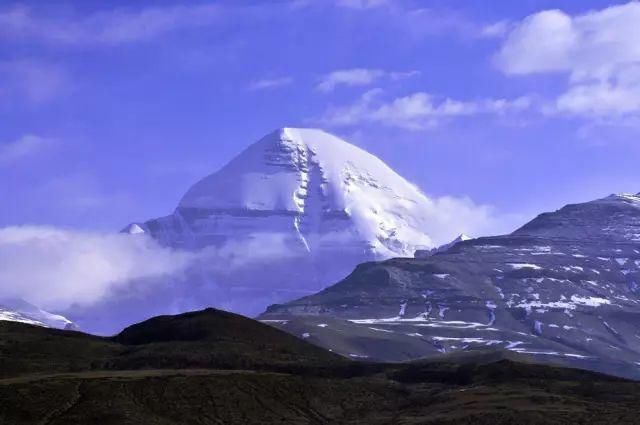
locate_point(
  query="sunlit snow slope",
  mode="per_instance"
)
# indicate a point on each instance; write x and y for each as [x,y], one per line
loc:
[16,310]
[318,190]
[293,213]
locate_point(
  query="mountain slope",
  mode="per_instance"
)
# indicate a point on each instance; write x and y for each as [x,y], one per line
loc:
[564,287]
[309,185]
[294,212]
[17,310]
[214,367]
[202,339]
[326,187]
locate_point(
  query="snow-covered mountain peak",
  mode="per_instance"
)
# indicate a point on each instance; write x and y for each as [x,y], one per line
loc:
[293,212]
[133,229]
[277,172]
[461,238]
[314,175]
[630,198]
[620,199]
[18,310]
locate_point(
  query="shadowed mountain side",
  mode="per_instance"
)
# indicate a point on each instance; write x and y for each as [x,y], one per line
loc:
[213,367]
[203,339]
[289,215]
[564,288]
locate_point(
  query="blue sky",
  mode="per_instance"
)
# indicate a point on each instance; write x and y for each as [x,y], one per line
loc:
[111,110]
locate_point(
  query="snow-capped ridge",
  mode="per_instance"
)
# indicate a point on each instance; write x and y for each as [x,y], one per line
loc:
[290,214]
[462,237]
[564,284]
[133,229]
[634,199]
[317,180]
[628,198]
[424,253]
[17,310]
[274,174]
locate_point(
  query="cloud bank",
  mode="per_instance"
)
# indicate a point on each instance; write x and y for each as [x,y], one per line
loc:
[416,111]
[55,268]
[598,51]
[449,216]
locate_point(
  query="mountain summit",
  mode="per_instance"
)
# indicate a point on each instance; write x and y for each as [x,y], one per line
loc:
[291,214]
[314,188]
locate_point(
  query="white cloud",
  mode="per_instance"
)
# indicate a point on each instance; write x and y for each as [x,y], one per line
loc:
[414,19]
[601,99]
[60,269]
[55,268]
[116,26]
[416,111]
[540,43]
[270,83]
[451,216]
[358,77]
[255,249]
[26,146]
[598,51]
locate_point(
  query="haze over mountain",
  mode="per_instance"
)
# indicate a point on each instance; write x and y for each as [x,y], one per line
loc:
[564,287]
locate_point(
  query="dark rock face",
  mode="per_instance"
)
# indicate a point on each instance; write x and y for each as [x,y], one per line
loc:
[565,288]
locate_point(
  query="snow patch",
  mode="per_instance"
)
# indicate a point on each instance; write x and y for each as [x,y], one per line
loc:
[519,266]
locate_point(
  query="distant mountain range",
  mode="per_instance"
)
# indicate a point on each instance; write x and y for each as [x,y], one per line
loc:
[565,287]
[300,209]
